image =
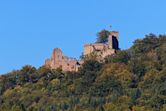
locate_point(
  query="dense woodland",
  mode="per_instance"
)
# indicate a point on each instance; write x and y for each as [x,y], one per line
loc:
[131,80]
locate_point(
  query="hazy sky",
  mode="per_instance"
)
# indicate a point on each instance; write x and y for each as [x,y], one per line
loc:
[31,29]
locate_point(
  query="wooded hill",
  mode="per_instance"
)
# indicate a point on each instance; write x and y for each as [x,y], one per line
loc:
[132,80]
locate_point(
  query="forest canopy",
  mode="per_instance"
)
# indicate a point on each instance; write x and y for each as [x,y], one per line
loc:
[132,80]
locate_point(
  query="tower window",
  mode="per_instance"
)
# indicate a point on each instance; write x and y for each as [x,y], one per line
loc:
[115,43]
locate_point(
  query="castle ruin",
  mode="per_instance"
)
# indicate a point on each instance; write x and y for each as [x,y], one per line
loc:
[65,63]
[104,49]
[58,60]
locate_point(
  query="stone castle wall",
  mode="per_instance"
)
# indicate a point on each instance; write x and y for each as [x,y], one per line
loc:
[58,60]
[104,49]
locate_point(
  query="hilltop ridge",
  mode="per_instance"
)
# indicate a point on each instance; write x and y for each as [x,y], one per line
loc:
[132,80]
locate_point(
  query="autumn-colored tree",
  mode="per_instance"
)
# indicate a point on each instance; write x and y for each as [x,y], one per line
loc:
[132,80]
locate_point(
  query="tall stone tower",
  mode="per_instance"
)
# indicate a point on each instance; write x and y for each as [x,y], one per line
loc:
[56,56]
[113,40]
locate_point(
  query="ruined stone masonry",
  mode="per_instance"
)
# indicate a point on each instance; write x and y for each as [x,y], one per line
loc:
[58,60]
[102,49]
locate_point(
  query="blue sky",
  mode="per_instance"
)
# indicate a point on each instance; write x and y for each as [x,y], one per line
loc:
[31,29]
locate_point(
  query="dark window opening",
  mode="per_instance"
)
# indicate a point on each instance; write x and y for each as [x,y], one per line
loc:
[115,43]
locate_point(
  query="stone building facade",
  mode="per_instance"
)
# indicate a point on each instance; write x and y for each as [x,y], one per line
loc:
[57,60]
[103,49]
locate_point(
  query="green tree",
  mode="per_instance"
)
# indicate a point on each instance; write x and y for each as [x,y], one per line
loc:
[102,36]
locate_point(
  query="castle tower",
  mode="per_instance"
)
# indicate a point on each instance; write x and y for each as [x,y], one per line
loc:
[113,40]
[56,56]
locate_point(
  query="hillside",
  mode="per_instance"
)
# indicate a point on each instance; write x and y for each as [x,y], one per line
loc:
[132,80]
